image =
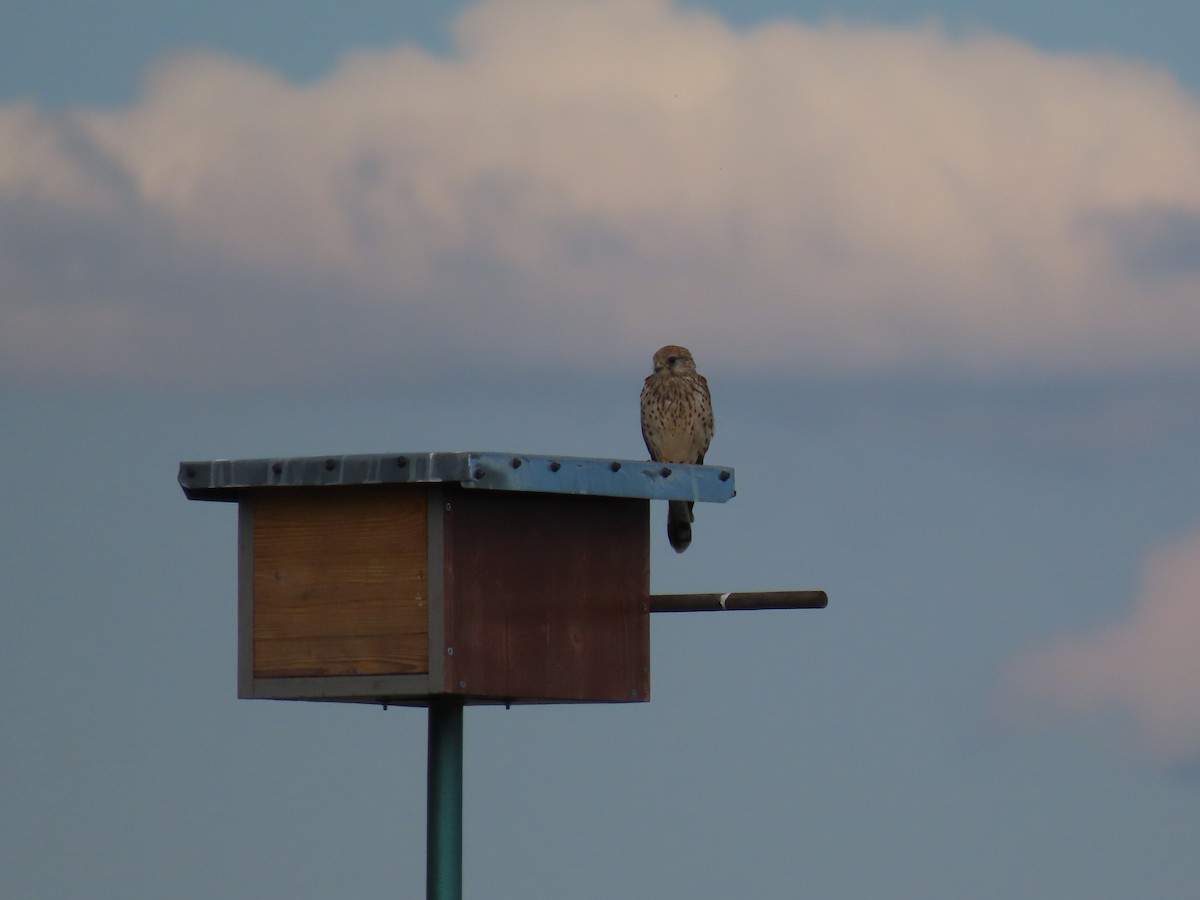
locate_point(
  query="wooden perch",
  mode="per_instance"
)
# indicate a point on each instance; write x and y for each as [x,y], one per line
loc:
[738,600]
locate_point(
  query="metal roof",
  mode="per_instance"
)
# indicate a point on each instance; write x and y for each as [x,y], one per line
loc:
[224,479]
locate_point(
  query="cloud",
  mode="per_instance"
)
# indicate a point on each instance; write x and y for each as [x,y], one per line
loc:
[578,182]
[1157,242]
[1145,667]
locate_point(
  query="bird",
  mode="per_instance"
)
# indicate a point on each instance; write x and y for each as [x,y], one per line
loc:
[677,426]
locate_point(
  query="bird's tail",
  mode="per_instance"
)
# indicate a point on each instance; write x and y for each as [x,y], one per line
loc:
[679,524]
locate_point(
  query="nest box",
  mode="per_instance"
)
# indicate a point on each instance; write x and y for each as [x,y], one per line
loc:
[486,577]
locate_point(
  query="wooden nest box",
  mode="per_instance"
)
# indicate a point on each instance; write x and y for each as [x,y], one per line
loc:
[483,577]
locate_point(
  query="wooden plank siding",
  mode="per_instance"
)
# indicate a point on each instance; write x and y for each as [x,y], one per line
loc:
[340,581]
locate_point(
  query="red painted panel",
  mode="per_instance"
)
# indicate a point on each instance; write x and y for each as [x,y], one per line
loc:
[546,596]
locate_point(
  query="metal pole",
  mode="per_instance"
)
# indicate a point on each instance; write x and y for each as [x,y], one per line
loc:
[443,843]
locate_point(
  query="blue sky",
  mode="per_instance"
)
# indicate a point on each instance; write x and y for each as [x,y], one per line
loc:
[74,53]
[939,264]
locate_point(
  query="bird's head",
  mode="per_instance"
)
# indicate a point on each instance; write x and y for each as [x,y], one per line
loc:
[674,359]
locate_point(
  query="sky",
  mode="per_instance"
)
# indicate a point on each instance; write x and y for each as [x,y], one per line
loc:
[941,266]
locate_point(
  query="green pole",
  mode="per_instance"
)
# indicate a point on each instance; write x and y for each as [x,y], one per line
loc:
[443,843]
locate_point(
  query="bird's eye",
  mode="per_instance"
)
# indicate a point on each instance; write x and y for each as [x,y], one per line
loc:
[671,360]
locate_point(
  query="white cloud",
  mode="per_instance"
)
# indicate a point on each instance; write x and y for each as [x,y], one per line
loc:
[582,181]
[1146,666]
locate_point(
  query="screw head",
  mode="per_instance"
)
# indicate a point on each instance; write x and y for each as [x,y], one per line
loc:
[330,464]
[664,472]
[277,468]
[615,466]
[555,465]
[478,473]
[401,462]
[724,476]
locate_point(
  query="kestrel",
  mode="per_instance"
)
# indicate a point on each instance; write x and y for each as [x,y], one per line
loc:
[677,425]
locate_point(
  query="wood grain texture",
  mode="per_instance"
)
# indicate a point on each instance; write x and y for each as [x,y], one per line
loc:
[546,596]
[340,581]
